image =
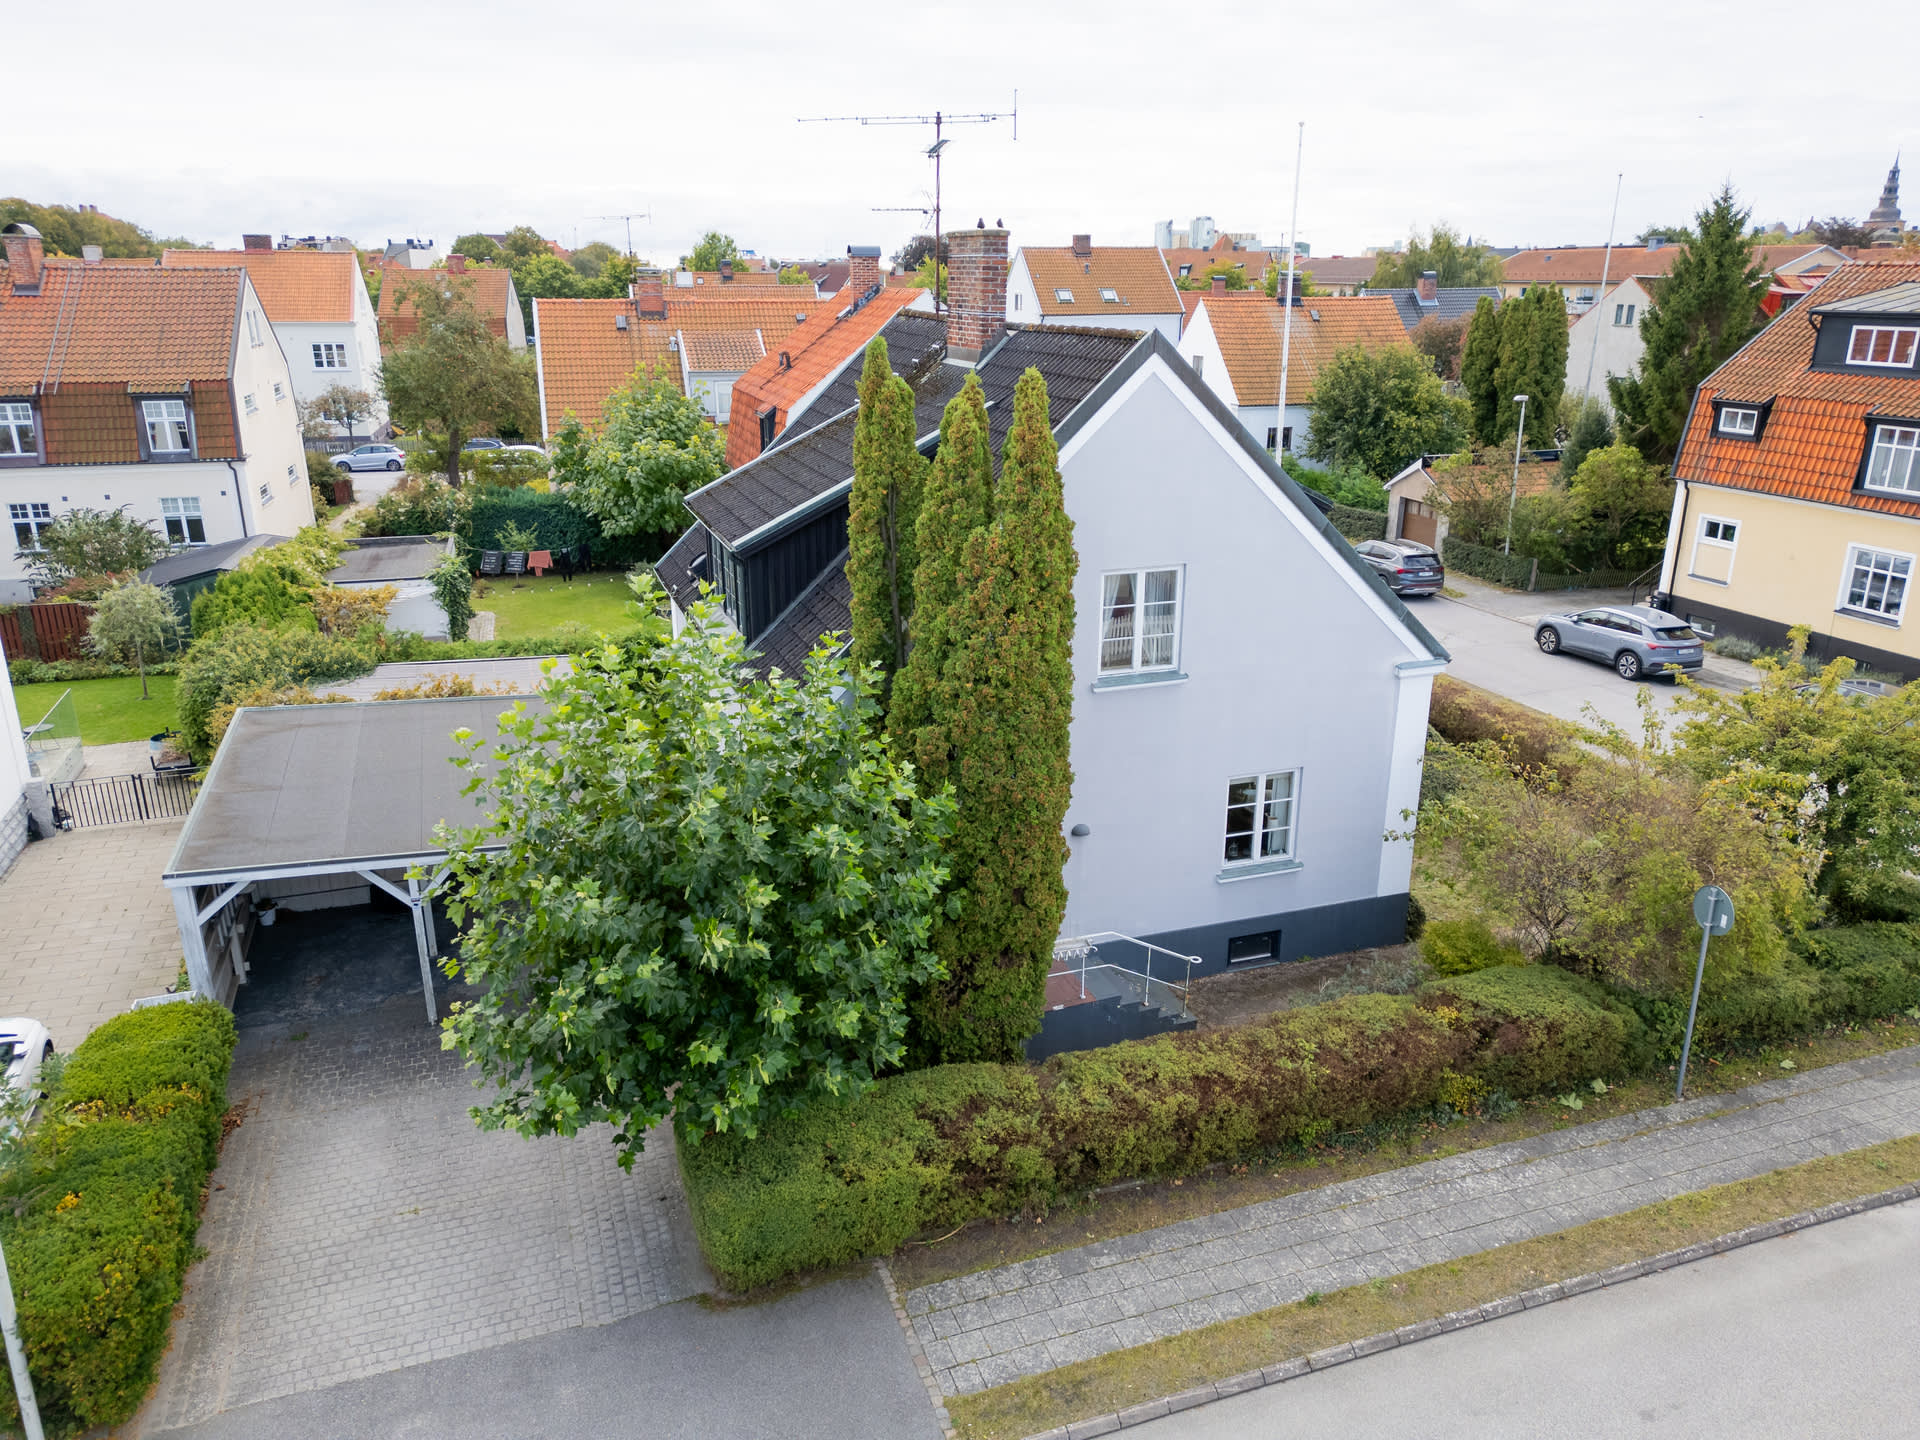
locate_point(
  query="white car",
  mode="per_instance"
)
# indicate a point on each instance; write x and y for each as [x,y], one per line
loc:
[372,457]
[24,1047]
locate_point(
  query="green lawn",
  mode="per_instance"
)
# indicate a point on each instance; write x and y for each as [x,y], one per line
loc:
[110,710]
[525,605]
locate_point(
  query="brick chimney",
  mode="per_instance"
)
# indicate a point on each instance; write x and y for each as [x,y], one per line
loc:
[26,257]
[650,299]
[1083,246]
[726,272]
[1428,287]
[863,268]
[256,242]
[976,290]
[1219,284]
[456,264]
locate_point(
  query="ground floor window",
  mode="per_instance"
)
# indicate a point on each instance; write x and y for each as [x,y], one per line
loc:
[181,515]
[1877,582]
[29,520]
[1260,816]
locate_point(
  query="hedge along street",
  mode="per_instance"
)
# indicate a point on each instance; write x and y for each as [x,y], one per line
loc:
[996,1326]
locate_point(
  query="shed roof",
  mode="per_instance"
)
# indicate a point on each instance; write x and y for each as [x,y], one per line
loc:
[340,786]
[401,557]
[205,559]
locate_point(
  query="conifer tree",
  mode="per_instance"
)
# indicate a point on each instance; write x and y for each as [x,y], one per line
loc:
[1706,308]
[888,475]
[1479,358]
[956,500]
[1003,707]
[1533,363]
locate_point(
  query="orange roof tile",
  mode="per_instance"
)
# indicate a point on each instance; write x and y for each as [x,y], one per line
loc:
[585,356]
[1816,430]
[488,289]
[1254,262]
[704,278]
[1582,264]
[727,352]
[1135,273]
[1248,327]
[140,327]
[294,286]
[812,352]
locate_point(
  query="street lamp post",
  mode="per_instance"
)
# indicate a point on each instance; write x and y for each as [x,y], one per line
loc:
[1518,434]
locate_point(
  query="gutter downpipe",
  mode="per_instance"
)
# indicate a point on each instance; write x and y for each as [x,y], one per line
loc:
[239,499]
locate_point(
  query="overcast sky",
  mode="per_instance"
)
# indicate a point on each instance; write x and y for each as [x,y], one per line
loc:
[214,117]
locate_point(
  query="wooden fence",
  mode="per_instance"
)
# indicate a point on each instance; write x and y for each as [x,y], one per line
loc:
[45,632]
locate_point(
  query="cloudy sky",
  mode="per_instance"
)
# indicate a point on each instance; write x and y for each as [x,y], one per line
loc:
[375,121]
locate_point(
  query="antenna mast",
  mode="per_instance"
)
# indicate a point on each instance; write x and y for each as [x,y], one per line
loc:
[939,120]
[636,215]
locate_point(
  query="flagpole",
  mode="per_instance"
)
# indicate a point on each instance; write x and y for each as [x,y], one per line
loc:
[1286,323]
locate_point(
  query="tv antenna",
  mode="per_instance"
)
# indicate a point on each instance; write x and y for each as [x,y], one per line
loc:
[636,215]
[939,120]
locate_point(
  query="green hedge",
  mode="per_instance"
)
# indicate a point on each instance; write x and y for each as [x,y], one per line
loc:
[945,1145]
[99,1217]
[228,664]
[49,672]
[1517,572]
[1358,524]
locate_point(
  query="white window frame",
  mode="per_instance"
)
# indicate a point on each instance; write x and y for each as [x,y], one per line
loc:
[1263,803]
[1137,638]
[1747,413]
[248,402]
[1727,538]
[1109,295]
[163,422]
[29,519]
[1902,444]
[16,415]
[266,493]
[1062,295]
[181,513]
[279,391]
[330,355]
[1912,333]
[1843,602]
[253,327]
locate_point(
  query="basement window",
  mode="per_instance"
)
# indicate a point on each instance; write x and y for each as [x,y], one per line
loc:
[1252,949]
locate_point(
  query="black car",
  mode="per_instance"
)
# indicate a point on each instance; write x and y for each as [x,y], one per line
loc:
[1408,567]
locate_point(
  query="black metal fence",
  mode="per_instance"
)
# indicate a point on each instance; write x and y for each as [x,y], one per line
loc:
[122,799]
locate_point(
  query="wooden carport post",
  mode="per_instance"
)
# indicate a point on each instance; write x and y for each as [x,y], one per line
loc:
[193,940]
[423,933]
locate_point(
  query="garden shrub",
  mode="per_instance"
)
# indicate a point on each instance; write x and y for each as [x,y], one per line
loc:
[242,658]
[253,595]
[1860,895]
[557,525]
[1459,947]
[101,1210]
[49,672]
[1464,713]
[1358,524]
[1540,1029]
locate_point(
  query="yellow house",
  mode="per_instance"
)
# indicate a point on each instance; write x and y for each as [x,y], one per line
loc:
[1798,500]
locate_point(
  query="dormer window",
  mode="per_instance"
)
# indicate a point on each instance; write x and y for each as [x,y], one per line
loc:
[169,436]
[1894,463]
[1890,346]
[17,438]
[1738,420]
[1109,296]
[1063,295]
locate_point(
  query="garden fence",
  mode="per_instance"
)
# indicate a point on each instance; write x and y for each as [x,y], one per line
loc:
[52,631]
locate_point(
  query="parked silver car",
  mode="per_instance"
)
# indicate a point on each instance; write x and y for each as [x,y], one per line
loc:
[1635,639]
[372,457]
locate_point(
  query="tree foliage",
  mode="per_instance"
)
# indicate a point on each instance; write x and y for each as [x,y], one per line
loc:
[653,447]
[714,250]
[480,249]
[1623,503]
[794,275]
[1705,308]
[713,897]
[1838,230]
[590,259]
[134,623]
[1233,276]
[884,510]
[1442,341]
[452,585]
[1592,429]
[523,242]
[1479,359]
[343,405]
[64,230]
[1533,363]
[1381,409]
[85,541]
[453,376]
[1441,250]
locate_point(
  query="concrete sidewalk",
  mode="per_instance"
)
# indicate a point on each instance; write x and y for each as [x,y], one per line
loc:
[996,1326]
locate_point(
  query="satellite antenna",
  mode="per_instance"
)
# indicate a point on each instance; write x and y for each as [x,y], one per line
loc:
[939,120]
[636,215]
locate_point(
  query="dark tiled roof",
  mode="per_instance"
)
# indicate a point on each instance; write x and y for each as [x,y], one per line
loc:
[823,607]
[205,559]
[1451,303]
[916,342]
[675,567]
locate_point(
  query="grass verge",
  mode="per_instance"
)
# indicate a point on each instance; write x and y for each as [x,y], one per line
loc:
[109,710]
[540,605]
[1127,1377]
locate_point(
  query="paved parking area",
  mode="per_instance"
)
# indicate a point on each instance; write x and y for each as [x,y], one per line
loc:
[360,1223]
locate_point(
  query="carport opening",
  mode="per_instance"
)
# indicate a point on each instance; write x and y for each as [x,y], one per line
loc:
[314,965]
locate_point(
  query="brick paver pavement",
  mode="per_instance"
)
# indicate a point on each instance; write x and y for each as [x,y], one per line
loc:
[362,1223]
[997,1325]
[86,927]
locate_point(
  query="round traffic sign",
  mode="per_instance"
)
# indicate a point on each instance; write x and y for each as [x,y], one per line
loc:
[1713,909]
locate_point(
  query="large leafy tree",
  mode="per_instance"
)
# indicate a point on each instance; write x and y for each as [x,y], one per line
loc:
[343,405]
[884,510]
[1622,506]
[1005,705]
[1703,310]
[712,898]
[453,376]
[85,541]
[1532,362]
[654,445]
[591,258]
[1383,409]
[523,242]
[134,622]
[480,249]
[713,250]
[1441,250]
[1592,430]
[65,229]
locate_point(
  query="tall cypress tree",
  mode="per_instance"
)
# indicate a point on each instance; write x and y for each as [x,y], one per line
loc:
[1533,363]
[956,500]
[883,513]
[1706,308]
[1479,358]
[1005,703]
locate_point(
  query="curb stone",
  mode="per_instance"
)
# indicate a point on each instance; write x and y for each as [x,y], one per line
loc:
[1286,1370]
[921,1366]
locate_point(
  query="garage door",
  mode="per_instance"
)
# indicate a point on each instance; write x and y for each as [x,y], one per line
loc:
[1418,522]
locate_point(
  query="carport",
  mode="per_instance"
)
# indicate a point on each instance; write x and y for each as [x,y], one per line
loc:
[313,806]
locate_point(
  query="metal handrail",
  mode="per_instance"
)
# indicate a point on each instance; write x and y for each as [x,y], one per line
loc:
[1082,947]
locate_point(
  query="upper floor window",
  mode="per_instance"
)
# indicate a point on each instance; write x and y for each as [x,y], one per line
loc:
[266,493]
[167,430]
[247,400]
[253,327]
[1888,345]
[279,391]
[1737,421]
[1260,816]
[1109,296]
[1623,314]
[1185,271]
[1016,299]
[16,429]
[329,355]
[1893,464]
[1139,620]
[29,520]
[181,515]
[1063,295]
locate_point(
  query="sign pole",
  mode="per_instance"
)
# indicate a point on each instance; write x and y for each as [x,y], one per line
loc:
[1713,912]
[17,1357]
[1686,1046]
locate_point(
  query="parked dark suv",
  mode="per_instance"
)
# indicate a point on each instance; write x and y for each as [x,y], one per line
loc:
[1408,567]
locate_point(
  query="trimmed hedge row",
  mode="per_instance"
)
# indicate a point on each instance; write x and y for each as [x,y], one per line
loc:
[100,1214]
[942,1146]
[1357,524]
[1464,713]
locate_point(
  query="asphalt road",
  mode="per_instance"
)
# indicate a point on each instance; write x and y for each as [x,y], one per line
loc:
[1815,1333]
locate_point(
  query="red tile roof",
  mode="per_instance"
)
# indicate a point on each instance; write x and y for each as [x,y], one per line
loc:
[726,352]
[1582,264]
[1248,327]
[1253,262]
[812,352]
[294,286]
[137,327]
[1815,432]
[1135,273]
[488,288]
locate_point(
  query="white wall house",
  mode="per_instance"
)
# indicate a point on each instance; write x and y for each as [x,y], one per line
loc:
[1254,404]
[161,392]
[14,774]
[1605,339]
[1106,287]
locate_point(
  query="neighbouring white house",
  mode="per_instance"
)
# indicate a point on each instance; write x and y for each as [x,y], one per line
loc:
[1605,337]
[140,388]
[317,304]
[1235,338]
[15,773]
[1224,807]
[404,562]
[1099,287]
[413,254]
